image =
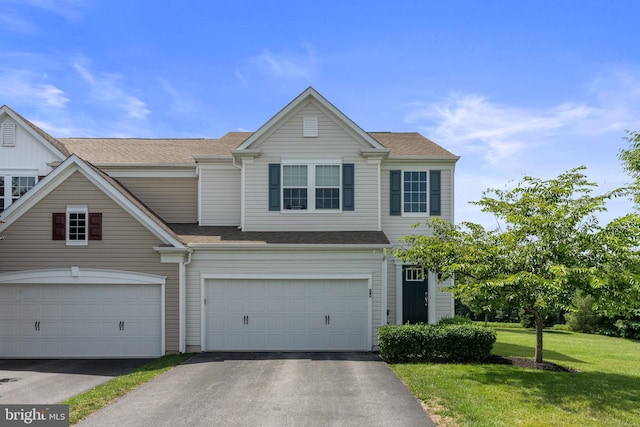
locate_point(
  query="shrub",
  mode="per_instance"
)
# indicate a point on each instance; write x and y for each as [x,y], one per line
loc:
[455,320]
[584,318]
[628,328]
[435,343]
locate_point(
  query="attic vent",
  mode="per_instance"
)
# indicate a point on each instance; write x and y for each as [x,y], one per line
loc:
[309,126]
[8,134]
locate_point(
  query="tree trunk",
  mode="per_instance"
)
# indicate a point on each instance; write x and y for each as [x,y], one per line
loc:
[486,319]
[539,320]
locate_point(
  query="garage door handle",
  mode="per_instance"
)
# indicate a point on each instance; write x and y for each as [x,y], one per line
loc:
[327,320]
[36,325]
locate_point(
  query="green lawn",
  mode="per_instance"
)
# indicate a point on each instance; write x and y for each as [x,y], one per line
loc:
[605,391]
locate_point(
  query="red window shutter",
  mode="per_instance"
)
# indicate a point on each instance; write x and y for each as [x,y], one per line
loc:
[95,226]
[58,226]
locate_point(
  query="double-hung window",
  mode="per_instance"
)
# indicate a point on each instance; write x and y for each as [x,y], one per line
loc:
[415,192]
[311,187]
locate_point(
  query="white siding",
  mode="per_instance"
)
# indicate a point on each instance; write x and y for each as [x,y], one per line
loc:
[27,154]
[220,195]
[275,263]
[334,142]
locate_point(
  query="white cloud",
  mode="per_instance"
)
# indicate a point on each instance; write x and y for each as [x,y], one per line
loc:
[105,87]
[72,10]
[283,65]
[472,123]
[25,86]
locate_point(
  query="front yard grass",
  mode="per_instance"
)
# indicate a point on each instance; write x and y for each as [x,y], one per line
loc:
[605,391]
[84,404]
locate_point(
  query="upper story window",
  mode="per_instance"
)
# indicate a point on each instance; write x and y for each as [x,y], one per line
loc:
[311,187]
[415,192]
[14,187]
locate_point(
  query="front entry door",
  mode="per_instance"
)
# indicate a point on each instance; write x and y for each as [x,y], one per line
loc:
[414,295]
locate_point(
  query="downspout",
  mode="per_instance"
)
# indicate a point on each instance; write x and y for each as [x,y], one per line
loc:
[182,309]
[241,167]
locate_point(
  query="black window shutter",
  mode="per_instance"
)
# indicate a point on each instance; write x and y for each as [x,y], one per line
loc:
[95,226]
[395,185]
[58,226]
[348,198]
[434,193]
[274,186]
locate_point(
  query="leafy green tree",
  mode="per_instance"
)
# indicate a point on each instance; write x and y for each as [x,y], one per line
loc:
[549,246]
[630,158]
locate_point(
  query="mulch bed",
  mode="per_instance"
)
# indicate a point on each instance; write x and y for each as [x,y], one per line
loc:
[523,362]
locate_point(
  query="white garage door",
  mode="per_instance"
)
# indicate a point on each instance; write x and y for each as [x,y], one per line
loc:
[288,315]
[80,320]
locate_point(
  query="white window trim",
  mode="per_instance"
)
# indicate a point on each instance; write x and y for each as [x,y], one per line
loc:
[72,210]
[311,184]
[414,214]
[8,175]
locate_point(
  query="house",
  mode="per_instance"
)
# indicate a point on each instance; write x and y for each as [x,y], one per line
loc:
[271,240]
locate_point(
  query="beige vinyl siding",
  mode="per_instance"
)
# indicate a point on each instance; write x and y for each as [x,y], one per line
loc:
[333,143]
[279,262]
[173,199]
[126,244]
[444,301]
[27,154]
[220,195]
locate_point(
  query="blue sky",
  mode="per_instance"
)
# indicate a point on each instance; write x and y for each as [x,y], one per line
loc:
[514,87]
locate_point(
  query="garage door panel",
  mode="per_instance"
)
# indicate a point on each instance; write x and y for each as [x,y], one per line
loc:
[286,315]
[81,321]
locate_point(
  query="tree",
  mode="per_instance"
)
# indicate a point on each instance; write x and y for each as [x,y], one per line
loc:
[630,158]
[549,246]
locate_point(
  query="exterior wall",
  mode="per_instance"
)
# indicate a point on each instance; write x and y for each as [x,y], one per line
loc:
[397,226]
[28,154]
[174,199]
[275,262]
[125,245]
[333,142]
[220,194]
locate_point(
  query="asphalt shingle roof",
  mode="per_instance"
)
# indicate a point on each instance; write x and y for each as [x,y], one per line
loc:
[195,234]
[102,151]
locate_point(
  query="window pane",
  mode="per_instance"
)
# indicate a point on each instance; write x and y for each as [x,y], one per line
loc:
[295,198]
[20,185]
[327,176]
[327,198]
[294,176]
[77,226]
[415,192]
[1,193]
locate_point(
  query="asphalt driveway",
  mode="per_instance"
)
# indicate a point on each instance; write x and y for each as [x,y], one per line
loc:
[52,381]
[269,389]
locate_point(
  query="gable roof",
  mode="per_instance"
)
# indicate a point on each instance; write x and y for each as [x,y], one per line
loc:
[108,185]
[44,138]
[410,144]
[309,93]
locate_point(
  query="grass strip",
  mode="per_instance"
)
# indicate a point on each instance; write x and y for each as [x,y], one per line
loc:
[84,404]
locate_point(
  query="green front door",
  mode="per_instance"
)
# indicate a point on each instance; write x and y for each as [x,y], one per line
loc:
[414,295]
